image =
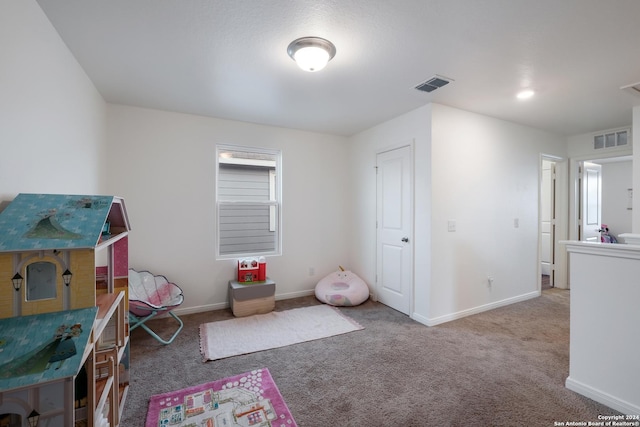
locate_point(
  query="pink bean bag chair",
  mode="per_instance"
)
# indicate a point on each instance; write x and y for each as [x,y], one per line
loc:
[342,288]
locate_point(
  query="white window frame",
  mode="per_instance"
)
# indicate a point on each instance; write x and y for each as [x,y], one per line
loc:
[275,193]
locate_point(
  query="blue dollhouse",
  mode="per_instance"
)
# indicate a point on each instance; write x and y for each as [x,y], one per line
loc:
[63,310]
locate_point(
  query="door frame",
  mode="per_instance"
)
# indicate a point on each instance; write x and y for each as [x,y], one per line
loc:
[411,145]
[573,199]
[574,195]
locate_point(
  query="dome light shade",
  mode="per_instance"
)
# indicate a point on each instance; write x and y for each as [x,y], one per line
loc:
[311,53]
[311,58]
[525,94]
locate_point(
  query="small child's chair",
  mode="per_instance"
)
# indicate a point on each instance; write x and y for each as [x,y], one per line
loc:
[150,295]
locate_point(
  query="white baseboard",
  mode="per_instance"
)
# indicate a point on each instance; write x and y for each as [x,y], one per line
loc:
[201,308]
[222,305]
[475,310]
[599,396]
[295,294]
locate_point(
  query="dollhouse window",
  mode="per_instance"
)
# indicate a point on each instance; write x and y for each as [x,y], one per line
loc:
[41,281]
[10,420]
[248,201]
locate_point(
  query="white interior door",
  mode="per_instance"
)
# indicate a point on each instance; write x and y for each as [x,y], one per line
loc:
[591,202]
[547,192]
[394,279]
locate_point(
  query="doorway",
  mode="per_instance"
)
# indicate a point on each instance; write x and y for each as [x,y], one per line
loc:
[603,186]
[547,223]
[590,212]
[394,223]
[553,222]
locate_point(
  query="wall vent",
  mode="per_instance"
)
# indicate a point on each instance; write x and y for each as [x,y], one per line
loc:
[433,83]
[611,139]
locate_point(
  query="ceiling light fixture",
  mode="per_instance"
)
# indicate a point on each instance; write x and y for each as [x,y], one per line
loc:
[311,53]
[525,94]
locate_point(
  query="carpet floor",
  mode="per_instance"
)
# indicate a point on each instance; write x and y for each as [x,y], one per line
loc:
[504,367]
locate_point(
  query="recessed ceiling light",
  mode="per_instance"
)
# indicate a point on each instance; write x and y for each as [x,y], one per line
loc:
[525,94]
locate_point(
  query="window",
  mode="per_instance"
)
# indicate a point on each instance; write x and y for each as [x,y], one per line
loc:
[611,139]
[41,281]
[248,201]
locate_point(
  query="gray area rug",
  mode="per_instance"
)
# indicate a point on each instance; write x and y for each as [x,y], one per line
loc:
[505,367]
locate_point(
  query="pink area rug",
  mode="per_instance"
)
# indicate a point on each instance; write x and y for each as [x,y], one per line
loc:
[249,399]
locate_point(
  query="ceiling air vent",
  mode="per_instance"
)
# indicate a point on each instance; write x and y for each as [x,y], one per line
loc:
[433,83]
[633,89]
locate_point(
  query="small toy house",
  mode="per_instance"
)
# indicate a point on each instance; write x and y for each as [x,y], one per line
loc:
[43,236]
[60,254]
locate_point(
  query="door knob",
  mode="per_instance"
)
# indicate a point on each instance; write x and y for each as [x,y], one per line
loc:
[405,239]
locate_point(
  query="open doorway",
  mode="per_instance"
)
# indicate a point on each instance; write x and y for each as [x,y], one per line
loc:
[603,192]
[547,223]
[553,222]
[590,212]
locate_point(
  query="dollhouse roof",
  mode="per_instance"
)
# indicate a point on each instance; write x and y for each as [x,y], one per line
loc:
[57,221]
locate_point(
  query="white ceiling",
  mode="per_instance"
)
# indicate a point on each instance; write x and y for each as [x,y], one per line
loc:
[228,58]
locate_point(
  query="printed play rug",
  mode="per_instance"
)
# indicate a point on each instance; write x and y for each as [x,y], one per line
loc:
[249,399]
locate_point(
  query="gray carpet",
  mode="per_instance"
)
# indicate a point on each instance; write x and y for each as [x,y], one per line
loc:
[504,367]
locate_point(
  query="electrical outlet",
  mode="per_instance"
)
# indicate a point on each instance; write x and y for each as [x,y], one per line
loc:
[312,271]
[451,225]
[490,281]
[516,222]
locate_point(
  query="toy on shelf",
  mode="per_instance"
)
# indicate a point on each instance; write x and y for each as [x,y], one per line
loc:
[252,270]
[605,236]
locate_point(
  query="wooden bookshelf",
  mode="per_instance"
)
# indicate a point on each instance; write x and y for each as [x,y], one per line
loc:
[107,392]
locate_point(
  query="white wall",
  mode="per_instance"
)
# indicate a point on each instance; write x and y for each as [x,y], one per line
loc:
[163,164]
[581,146]
[410,128]
[596,371]
[616,179]
[486,176]
[52,119]
[479,171]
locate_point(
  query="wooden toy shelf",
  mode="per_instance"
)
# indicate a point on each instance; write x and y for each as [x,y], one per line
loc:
[102,349]
[107,351]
